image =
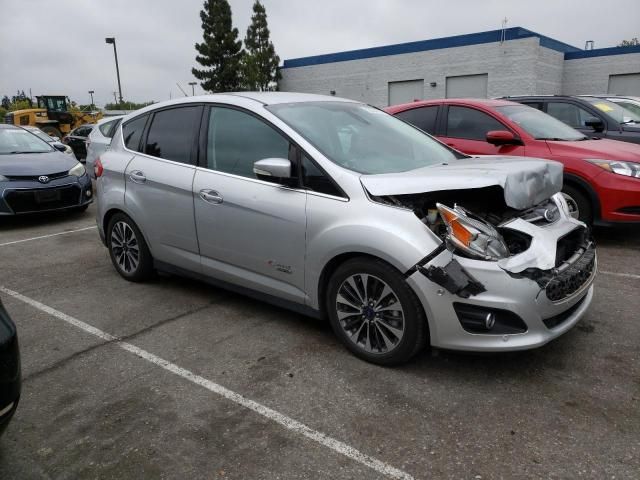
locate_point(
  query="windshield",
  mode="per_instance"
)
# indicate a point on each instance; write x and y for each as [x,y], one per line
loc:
[17,140]
[538,124]
[362,138]
[615,111]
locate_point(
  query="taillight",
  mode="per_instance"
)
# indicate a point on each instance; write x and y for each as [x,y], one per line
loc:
[98,169]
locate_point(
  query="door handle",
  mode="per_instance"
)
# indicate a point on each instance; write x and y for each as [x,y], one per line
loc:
[137,177]
[211,196]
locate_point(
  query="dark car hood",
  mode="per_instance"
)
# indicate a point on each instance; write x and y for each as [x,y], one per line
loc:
[526,181]
[36,163]
[603,149]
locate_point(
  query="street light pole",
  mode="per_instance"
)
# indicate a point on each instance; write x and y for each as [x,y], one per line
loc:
[112,40]
[91,92]
[193,88]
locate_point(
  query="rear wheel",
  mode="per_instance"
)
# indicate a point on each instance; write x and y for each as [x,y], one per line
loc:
[51,131]
[128,250]
[375,313]
[579,205]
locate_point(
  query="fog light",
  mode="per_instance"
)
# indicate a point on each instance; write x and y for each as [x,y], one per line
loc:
[495,321]
[88,193]
[489,321]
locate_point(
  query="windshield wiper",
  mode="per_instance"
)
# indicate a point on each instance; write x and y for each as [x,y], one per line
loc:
[555,139]
[628,122]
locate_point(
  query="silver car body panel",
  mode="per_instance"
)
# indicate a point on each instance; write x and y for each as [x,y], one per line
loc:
[97,144]
[278,240]
[526,182]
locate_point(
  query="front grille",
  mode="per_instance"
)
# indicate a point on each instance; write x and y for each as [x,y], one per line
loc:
[558,320]
[573,277]
[23,201]
[569,244]
[26,178]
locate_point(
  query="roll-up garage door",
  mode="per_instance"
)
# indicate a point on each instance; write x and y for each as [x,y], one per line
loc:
[628,84]
[467,86]
[405,92]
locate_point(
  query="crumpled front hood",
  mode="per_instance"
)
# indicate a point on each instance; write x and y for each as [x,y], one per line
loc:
[526,181]
[33,164]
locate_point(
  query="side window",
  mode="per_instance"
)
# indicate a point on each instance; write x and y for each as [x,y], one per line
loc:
[236,140]
[132,132]
[424,118]
[116,124]
[315,179]
[172,132]
[571,114]
[464,122]
[106,127]
[536,105]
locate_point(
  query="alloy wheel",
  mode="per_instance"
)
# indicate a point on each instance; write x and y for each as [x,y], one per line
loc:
[370,313]
[125,247]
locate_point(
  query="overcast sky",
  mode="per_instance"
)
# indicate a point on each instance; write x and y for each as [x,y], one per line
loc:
[58,47]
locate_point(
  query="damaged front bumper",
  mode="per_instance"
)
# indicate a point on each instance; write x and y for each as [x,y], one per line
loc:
[479,305]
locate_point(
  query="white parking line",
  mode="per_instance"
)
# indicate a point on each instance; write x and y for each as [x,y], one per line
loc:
[616,274]
[47,236]
[286,422]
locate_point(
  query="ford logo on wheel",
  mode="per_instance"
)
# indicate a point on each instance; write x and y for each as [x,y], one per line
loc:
[43,179]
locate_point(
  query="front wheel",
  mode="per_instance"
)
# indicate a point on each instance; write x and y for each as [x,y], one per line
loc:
[128,250]
[579,204]
[375,313]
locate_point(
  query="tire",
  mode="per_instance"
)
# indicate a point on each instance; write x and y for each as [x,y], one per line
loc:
[123,231]
[386,337]
[578,200]
[51,131]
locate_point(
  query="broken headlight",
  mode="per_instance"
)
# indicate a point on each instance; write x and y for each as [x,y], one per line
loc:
[471,235]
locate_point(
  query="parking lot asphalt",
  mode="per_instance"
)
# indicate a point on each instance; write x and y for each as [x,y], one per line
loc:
[177,379]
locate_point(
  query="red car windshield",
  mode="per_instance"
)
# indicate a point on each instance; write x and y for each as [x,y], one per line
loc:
[540,125]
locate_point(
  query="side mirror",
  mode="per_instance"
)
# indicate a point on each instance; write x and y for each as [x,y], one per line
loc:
[502,137]
[273,169]
[595,123]
[59,146]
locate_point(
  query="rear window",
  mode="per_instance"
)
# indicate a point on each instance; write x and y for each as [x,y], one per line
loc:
[132,132]
[424,118]
[108,128]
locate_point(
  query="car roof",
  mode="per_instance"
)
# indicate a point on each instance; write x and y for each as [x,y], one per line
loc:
[109,119]
[7,126]
[477,102]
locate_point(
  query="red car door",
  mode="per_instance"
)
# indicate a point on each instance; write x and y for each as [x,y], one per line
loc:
[465,129]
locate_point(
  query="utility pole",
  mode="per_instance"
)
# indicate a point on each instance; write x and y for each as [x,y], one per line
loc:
[193,86]
[112,40]
[115,99]
[91,92]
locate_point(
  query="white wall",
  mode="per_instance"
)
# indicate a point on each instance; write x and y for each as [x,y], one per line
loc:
[591,75]
[510,66]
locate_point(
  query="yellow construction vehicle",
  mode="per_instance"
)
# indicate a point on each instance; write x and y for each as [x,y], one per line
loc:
[52,116]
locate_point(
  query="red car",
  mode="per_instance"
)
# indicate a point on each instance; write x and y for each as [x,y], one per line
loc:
[601,177]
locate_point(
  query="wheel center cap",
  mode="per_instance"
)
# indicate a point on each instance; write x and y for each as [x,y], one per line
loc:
[369,313]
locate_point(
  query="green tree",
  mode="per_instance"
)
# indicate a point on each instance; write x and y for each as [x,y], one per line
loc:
[127,105]
[260,62]
[221,51]
[630,43]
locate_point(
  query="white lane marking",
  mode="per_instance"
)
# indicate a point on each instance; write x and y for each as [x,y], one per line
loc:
[616,274]
[286,422]
[47,236]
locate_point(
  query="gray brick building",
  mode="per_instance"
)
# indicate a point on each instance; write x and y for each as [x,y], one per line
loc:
[515,61]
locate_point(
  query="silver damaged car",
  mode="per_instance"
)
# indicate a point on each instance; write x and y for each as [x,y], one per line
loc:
[336,209]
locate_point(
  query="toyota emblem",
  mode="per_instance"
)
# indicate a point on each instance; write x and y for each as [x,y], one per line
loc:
[43,179]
